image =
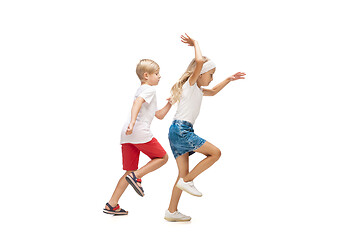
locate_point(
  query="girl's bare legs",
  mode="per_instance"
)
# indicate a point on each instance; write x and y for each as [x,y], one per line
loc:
[213,154]
[122,184]
[183,166]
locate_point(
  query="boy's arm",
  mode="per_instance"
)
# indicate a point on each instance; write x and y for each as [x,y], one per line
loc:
[220,86]
[134,113]
[160,114]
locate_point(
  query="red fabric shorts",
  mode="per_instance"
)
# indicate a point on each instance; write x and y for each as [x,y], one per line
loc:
[131,153]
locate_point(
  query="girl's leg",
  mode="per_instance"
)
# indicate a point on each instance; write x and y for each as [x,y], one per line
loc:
[212,153]
[119,190]
[151,166]
[183,166]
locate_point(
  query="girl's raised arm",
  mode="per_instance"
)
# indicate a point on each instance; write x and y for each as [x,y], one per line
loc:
[220,86]
[198,58]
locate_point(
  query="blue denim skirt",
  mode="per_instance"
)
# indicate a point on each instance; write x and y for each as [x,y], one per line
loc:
[183,139]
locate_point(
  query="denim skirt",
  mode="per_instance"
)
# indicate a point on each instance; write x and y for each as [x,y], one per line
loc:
[183,139]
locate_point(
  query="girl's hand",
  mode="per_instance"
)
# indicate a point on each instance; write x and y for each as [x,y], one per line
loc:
[188,40]
[169,100]
[130,129]
[236,76]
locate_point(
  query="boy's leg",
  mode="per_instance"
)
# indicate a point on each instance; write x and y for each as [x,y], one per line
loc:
[156,153]
[212,153]
[130,158]
[158,157]
[151,166]
[183,166]
[119,190]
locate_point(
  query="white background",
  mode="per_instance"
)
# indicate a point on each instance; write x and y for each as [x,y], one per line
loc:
[289,133]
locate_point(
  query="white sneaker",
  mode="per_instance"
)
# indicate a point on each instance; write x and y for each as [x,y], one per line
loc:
[188,187]
[176,217]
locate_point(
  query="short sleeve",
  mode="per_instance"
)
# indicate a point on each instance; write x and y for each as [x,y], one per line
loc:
[148,94]
[193,87]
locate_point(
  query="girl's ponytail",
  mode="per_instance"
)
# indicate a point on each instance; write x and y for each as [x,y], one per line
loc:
[176,89]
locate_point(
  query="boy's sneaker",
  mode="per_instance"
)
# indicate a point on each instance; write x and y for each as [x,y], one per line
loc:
[176,217]
[188,187]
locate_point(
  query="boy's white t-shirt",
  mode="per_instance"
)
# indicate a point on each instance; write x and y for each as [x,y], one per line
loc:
[141,132]
[190,103]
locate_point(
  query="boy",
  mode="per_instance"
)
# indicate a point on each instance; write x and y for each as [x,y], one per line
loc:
[136,136]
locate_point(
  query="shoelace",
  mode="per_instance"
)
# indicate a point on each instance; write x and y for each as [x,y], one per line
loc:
[177,213]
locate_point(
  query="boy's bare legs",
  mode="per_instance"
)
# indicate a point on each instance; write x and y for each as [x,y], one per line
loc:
[213,154]
[122,184]
[151,166]
[119,190]
[183,166]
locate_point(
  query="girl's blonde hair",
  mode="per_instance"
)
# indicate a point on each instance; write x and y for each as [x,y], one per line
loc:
[176,89]
[146,65]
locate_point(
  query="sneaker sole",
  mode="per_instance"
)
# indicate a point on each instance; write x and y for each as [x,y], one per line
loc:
[176,220]
[114,213]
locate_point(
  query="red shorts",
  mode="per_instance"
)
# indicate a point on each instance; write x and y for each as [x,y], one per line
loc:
[131,153]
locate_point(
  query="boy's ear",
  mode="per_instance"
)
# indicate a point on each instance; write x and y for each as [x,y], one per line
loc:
[146,75]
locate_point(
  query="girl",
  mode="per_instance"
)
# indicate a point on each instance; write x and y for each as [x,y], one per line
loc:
[188,92]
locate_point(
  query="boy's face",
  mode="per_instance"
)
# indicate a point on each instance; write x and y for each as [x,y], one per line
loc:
[153,78]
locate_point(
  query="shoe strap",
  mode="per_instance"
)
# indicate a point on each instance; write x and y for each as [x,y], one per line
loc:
[135,178]
[113,208]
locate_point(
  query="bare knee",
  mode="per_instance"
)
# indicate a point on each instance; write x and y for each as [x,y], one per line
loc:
[165,159]
[216,153]
[210,150]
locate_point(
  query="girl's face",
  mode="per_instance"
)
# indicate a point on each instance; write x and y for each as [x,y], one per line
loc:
[153,78]
[206,78]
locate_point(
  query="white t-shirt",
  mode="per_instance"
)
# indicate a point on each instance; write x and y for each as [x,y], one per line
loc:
[141,131]
[190,103]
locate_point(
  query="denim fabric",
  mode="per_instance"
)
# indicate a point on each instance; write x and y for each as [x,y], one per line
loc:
[183,139]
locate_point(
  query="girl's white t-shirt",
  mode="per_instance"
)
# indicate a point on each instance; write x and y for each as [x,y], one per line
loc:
[141,131]
[190,103]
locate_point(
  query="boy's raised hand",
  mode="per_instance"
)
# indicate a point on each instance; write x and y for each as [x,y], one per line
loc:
[236,76]
[188,40]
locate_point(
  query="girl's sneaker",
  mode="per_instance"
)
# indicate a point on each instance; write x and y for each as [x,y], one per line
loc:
[188,187]
[176,217]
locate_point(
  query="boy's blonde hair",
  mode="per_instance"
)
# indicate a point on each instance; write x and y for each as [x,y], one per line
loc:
[176,89]
[146,65]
